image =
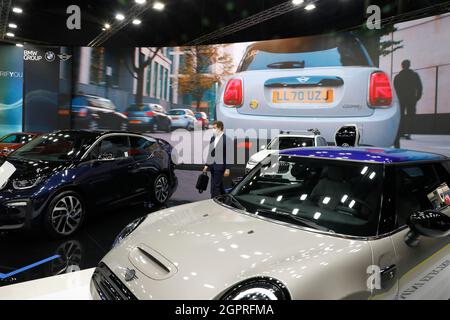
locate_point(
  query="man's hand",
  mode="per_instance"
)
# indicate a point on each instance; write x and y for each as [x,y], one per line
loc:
[226,173]
[205,169]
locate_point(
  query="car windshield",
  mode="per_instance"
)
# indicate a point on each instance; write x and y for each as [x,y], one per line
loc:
[17,138]
[53,147]
[176,112]
[307,52]
[340,196]
[283,143]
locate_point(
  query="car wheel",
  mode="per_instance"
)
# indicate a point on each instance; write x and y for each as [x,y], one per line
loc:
[161,188]
[64,214]
[168,127]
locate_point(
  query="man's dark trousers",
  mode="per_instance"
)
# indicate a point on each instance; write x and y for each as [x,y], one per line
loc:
[217,187]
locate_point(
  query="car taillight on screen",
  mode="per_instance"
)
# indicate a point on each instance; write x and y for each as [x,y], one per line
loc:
[380,91]
[233,95]
[82,113]
[149,113]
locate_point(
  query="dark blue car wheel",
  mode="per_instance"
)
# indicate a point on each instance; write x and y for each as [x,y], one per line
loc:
[161,189]
[64,215]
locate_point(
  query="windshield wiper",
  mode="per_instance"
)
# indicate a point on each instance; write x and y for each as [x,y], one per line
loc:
[233,200]
[305,222]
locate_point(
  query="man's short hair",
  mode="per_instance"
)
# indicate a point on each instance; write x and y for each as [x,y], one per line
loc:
[219,124]
[406,64]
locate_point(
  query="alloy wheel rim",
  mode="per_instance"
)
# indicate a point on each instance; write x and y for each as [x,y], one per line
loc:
[66,215]
[162,189]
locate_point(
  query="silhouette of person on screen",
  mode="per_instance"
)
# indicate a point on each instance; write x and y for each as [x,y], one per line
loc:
[409,91]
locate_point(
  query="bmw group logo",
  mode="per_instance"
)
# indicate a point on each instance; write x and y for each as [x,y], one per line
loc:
[50,56]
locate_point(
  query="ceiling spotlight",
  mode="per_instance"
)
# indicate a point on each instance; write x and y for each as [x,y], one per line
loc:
[310,7]
[10,35]
[137,22]
[120,17]
[19,45]
[140,1]
[158,6]
[12,25]
[107,26]
[297,2]
[17,10]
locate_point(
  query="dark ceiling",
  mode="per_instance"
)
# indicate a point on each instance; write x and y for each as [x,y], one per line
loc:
[44,21]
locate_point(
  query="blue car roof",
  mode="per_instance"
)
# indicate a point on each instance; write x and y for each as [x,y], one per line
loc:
[379,155]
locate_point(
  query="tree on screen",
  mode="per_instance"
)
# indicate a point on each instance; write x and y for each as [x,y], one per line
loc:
[203,67]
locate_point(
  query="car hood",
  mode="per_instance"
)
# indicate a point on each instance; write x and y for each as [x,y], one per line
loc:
[261,155]
[26,169]
[10,145]
[199,250]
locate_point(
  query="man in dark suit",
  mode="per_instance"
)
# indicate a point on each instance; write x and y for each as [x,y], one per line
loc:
[217,159]
[409,91]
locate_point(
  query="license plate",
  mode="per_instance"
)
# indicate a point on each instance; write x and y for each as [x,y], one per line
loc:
[135,121]
[303,96]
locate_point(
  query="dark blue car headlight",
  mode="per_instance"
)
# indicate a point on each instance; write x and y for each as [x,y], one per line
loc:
[128,230]
[22,184]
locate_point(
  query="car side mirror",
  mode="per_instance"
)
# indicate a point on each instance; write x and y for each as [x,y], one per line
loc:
[429,223]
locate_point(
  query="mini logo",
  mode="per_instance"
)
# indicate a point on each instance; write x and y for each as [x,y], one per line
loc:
[303,79]
[64,56]
[130,275]
[50,56]
[254,104]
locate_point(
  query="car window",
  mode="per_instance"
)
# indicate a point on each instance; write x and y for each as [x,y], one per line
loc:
[306,52]
[339,195]
[113,147]
[14,138]
[79,101]
[54,147]
[284,143]
[137,107]
[142,148]
[413,184]
[176,112]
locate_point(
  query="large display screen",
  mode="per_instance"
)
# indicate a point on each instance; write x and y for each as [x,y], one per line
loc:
[11,89]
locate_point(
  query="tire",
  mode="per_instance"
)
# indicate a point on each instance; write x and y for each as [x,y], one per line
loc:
[161,189]
[65,207]
[168,127]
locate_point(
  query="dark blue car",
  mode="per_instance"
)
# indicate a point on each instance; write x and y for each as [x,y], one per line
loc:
[56,179]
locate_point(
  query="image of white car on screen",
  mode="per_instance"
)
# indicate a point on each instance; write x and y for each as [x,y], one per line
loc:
[287,140]
[319,82]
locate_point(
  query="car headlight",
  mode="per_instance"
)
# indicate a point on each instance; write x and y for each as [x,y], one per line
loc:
[22,184]
[263,289]
[128,230]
